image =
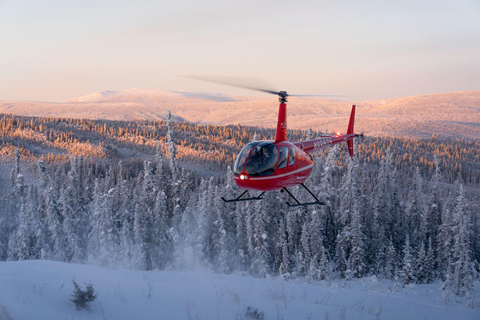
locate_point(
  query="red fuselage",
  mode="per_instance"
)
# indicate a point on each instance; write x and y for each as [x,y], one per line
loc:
[274,165]
[289,170]
[287,165]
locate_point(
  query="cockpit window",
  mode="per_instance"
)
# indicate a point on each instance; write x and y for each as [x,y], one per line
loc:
[242,156]
[291,159]
[262,160]
[282,162]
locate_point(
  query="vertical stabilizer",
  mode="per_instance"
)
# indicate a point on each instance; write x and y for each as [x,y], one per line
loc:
[352,120]
[350,131]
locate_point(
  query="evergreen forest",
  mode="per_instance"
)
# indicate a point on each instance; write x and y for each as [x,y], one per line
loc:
[146,195]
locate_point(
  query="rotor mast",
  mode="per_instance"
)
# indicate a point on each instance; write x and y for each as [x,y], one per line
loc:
[281,134]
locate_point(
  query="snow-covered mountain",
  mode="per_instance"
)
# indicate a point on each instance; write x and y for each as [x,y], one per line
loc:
[455,114]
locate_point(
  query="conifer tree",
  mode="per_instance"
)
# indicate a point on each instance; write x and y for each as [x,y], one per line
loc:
[262,255]
[357,255]
[23,234]
[324,269]
[172,150]
[463,277]
[16,167]
[421,273]
[390,263]
[407,269]
[445,242]
[430,263]
[305,247]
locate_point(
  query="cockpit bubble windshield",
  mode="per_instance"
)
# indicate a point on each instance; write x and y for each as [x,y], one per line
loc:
[263,159]
[242,156]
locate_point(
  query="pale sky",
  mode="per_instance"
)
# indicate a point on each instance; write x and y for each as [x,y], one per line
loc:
[59,50]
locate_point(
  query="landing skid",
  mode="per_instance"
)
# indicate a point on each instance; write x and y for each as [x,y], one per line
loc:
[298,204]
[239,198]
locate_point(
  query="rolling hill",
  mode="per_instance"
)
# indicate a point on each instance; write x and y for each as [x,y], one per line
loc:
[455,114]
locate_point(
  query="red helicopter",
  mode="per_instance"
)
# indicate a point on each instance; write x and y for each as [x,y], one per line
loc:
[277,165]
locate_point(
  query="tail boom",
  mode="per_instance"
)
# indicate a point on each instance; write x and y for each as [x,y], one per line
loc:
[312,146]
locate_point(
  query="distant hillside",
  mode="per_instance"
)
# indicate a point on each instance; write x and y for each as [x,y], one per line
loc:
[455,114]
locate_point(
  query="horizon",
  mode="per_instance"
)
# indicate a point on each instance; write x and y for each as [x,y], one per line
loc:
[252,96]
[58,51]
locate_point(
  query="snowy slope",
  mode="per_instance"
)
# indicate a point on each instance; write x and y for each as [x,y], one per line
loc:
[455,114]
[41,290]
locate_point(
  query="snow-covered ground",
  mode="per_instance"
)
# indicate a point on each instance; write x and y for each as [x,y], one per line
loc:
[42,289]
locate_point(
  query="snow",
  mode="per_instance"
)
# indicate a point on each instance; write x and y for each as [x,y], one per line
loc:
[42,289]
[454,114]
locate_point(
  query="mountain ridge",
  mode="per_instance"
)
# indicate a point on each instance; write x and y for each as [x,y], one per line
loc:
[453,114]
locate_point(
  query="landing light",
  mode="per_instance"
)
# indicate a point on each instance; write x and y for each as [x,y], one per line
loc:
[243,177]
[338,134]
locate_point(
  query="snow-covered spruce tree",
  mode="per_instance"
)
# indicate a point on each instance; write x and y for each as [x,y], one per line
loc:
[142,227]
[205,219]
[381,214]
[407,269]
[230,223]
[158,153]
[350,242]
[324,266]
[249,226]
[44,236]
[172,150]
[445,242]
[23,244]
[306,252]
[284,255]
[16,167]
[95,237]
[39,246]
[241,236]
[260,265]
[162,250]
[418,223]
[127,237]
[430,263]
[142,237]
[463,275]
[433,206]
[357,255]
[76,221]
[342,251]
[328,190]
[421,273]
[316,241]
[390,270]
[17,197]
[54,223]
[399,225]
[220,238]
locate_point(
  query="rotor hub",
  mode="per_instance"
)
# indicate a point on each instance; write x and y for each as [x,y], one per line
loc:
[283,96]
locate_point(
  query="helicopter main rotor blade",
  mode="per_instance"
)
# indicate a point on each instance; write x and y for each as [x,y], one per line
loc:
[239,82]
[317,95]
[256,84]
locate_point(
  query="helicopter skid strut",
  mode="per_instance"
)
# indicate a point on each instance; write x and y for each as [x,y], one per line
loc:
[297,204]
[238,199]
